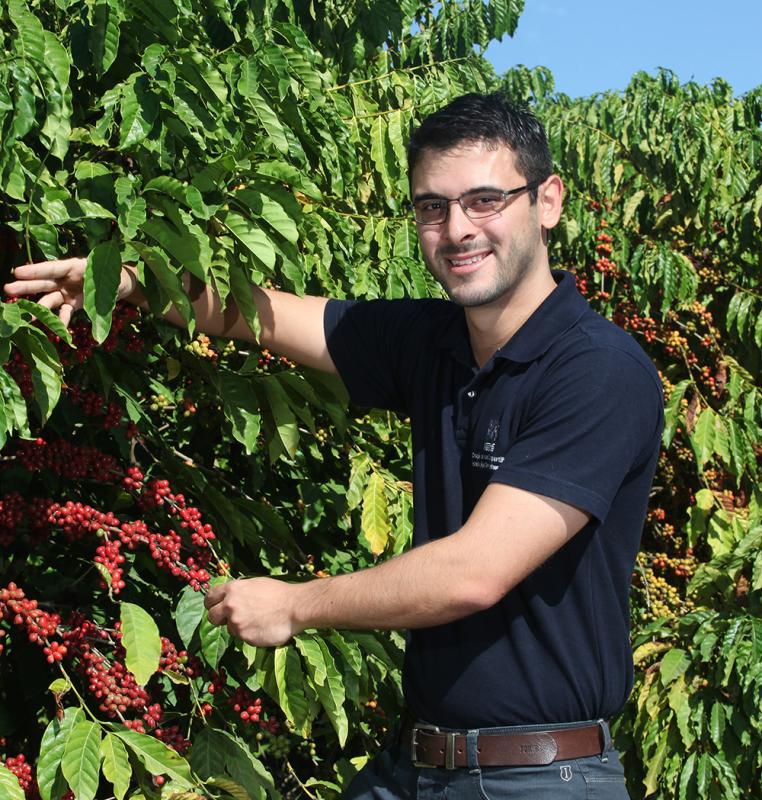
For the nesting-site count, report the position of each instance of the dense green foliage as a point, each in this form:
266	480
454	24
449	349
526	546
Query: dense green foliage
264	142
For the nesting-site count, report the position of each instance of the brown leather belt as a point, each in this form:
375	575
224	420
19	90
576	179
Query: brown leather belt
431	747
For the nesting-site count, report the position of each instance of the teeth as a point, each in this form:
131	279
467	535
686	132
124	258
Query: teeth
465	262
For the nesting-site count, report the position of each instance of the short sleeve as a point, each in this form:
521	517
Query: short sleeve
373	345
592	420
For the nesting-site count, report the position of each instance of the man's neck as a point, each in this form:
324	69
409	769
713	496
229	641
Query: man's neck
491	326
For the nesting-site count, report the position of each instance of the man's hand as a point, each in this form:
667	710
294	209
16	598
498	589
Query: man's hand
261	611
60	284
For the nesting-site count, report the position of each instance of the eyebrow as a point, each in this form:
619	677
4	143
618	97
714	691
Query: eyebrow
434	196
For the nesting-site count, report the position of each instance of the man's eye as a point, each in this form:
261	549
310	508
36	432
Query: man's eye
430	205
483	200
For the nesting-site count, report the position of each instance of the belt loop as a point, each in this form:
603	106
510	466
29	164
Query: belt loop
607	744
472	741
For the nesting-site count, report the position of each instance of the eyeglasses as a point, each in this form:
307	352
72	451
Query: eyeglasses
476	204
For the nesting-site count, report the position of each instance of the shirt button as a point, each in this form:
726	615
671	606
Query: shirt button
472	393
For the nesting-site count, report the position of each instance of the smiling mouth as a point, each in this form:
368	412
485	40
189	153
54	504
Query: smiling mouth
467	263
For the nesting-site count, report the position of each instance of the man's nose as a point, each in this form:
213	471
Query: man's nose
458	226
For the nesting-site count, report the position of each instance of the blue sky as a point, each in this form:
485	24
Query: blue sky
594	45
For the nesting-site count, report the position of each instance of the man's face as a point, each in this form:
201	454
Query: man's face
477	261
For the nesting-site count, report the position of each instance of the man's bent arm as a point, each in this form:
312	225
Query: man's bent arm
509	534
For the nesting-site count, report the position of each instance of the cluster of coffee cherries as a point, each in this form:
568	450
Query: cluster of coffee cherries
124	332
659	597
628	317
69	460
94	405
202	347
267	361
22	769
80	521
40	625
603	250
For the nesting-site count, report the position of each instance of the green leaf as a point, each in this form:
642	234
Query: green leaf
247	770
631	206
283	416
59	686
81	759
703	436
656	764
170	281
207	757
30	42
42	358
289	679
378	150
57	62
214	640
45	316
673	411
10	788
15	411
405	241
358	475
52	748
326	680
102	275
674	664
157	758
240	407
396	136
241	290
104	35
375	515
139	109
273	213
141	641
229	787
686	775
270	122
717	724
116	764
189	247
251	236
188	613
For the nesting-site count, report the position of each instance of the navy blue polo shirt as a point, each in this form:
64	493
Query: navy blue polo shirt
569	408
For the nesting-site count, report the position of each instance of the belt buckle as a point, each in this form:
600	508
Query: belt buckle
449	746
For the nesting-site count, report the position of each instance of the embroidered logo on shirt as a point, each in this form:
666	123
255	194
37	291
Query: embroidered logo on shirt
484	460
491	436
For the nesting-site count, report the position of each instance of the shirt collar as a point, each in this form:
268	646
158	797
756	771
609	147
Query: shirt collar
558	312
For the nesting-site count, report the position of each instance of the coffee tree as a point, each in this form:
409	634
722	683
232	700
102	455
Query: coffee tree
264	142
662	228
235	143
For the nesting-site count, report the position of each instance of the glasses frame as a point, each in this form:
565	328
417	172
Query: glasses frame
506	194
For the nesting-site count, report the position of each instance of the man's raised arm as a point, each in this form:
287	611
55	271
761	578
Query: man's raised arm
290	325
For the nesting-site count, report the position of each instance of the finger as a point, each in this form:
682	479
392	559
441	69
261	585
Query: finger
214	596
65	313
218	615
48	269
30	287
52	300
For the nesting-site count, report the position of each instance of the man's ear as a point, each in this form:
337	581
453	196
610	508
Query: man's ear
550	200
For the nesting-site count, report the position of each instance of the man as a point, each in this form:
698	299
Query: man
536	427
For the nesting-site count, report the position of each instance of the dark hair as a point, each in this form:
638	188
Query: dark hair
489	118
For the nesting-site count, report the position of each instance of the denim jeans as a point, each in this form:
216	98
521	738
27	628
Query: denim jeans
392	776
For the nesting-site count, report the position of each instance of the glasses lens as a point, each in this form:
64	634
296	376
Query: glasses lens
430	211
482	204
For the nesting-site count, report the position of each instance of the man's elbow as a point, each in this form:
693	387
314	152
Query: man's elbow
481	592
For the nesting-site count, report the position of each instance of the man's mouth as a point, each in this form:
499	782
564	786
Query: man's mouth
467	262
